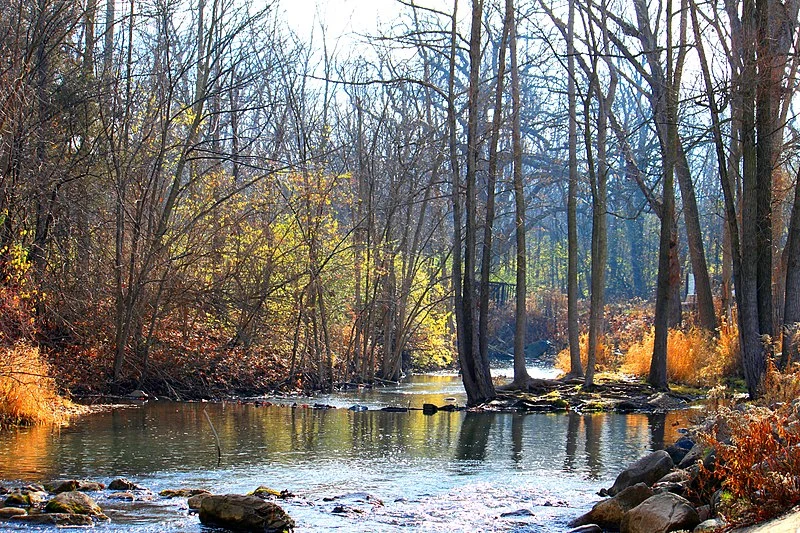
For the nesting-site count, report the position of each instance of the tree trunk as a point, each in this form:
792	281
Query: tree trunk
573	330
521	377
791	313
475	369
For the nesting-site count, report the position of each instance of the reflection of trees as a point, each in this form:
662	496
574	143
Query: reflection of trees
517	423
657	422
573	423
594	429
474	436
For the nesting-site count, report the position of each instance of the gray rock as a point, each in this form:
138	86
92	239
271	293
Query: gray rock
55	519
695	454
122	483
608	513
712	524
195	501
73	502
676	476
647	470
8	512
704	513
659	514
668	486
244	513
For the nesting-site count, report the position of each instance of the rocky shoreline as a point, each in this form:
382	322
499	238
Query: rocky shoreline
542	395
65	503
680	488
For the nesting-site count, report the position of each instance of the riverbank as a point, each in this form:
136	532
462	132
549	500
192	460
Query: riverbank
736	468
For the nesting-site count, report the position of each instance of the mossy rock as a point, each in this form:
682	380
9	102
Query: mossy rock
265	492
73	502
17	499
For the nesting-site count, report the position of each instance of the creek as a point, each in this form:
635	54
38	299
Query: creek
390	471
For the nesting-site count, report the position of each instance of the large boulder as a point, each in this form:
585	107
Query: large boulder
73	502
647	470
608	513
659	514
244	513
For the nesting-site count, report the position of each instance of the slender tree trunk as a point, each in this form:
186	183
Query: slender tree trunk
521	377
488	226
573	330
791	313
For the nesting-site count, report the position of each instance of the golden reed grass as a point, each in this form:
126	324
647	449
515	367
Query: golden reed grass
27	390
694	357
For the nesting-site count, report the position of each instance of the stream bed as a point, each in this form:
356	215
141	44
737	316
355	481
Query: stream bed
389	471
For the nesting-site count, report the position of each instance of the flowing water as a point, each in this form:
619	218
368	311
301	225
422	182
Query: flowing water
389	471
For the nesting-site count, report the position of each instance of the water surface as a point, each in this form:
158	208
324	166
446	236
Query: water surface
399	471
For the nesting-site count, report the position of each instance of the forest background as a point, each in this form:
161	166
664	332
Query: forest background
194	200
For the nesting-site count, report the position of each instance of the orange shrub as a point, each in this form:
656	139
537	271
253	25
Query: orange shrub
27	392
758	452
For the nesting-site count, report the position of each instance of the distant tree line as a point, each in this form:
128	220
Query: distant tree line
193	178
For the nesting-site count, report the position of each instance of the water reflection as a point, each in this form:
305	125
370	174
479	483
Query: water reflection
317	452
474	436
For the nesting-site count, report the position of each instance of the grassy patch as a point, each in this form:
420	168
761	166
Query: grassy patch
27	390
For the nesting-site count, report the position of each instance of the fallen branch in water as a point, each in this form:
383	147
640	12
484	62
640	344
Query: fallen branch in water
216	437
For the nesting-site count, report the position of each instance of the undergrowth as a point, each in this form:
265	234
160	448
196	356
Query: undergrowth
758	452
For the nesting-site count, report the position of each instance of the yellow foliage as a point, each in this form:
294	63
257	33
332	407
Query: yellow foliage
27	392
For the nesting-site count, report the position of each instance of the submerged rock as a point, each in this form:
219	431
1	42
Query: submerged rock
244	513
519	513
182	493
70	485
647	470
588	528
609	513
659	514
55	519
122	495
8	512
73	502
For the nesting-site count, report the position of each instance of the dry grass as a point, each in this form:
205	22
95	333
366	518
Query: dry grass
694	357
607	359
27	390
